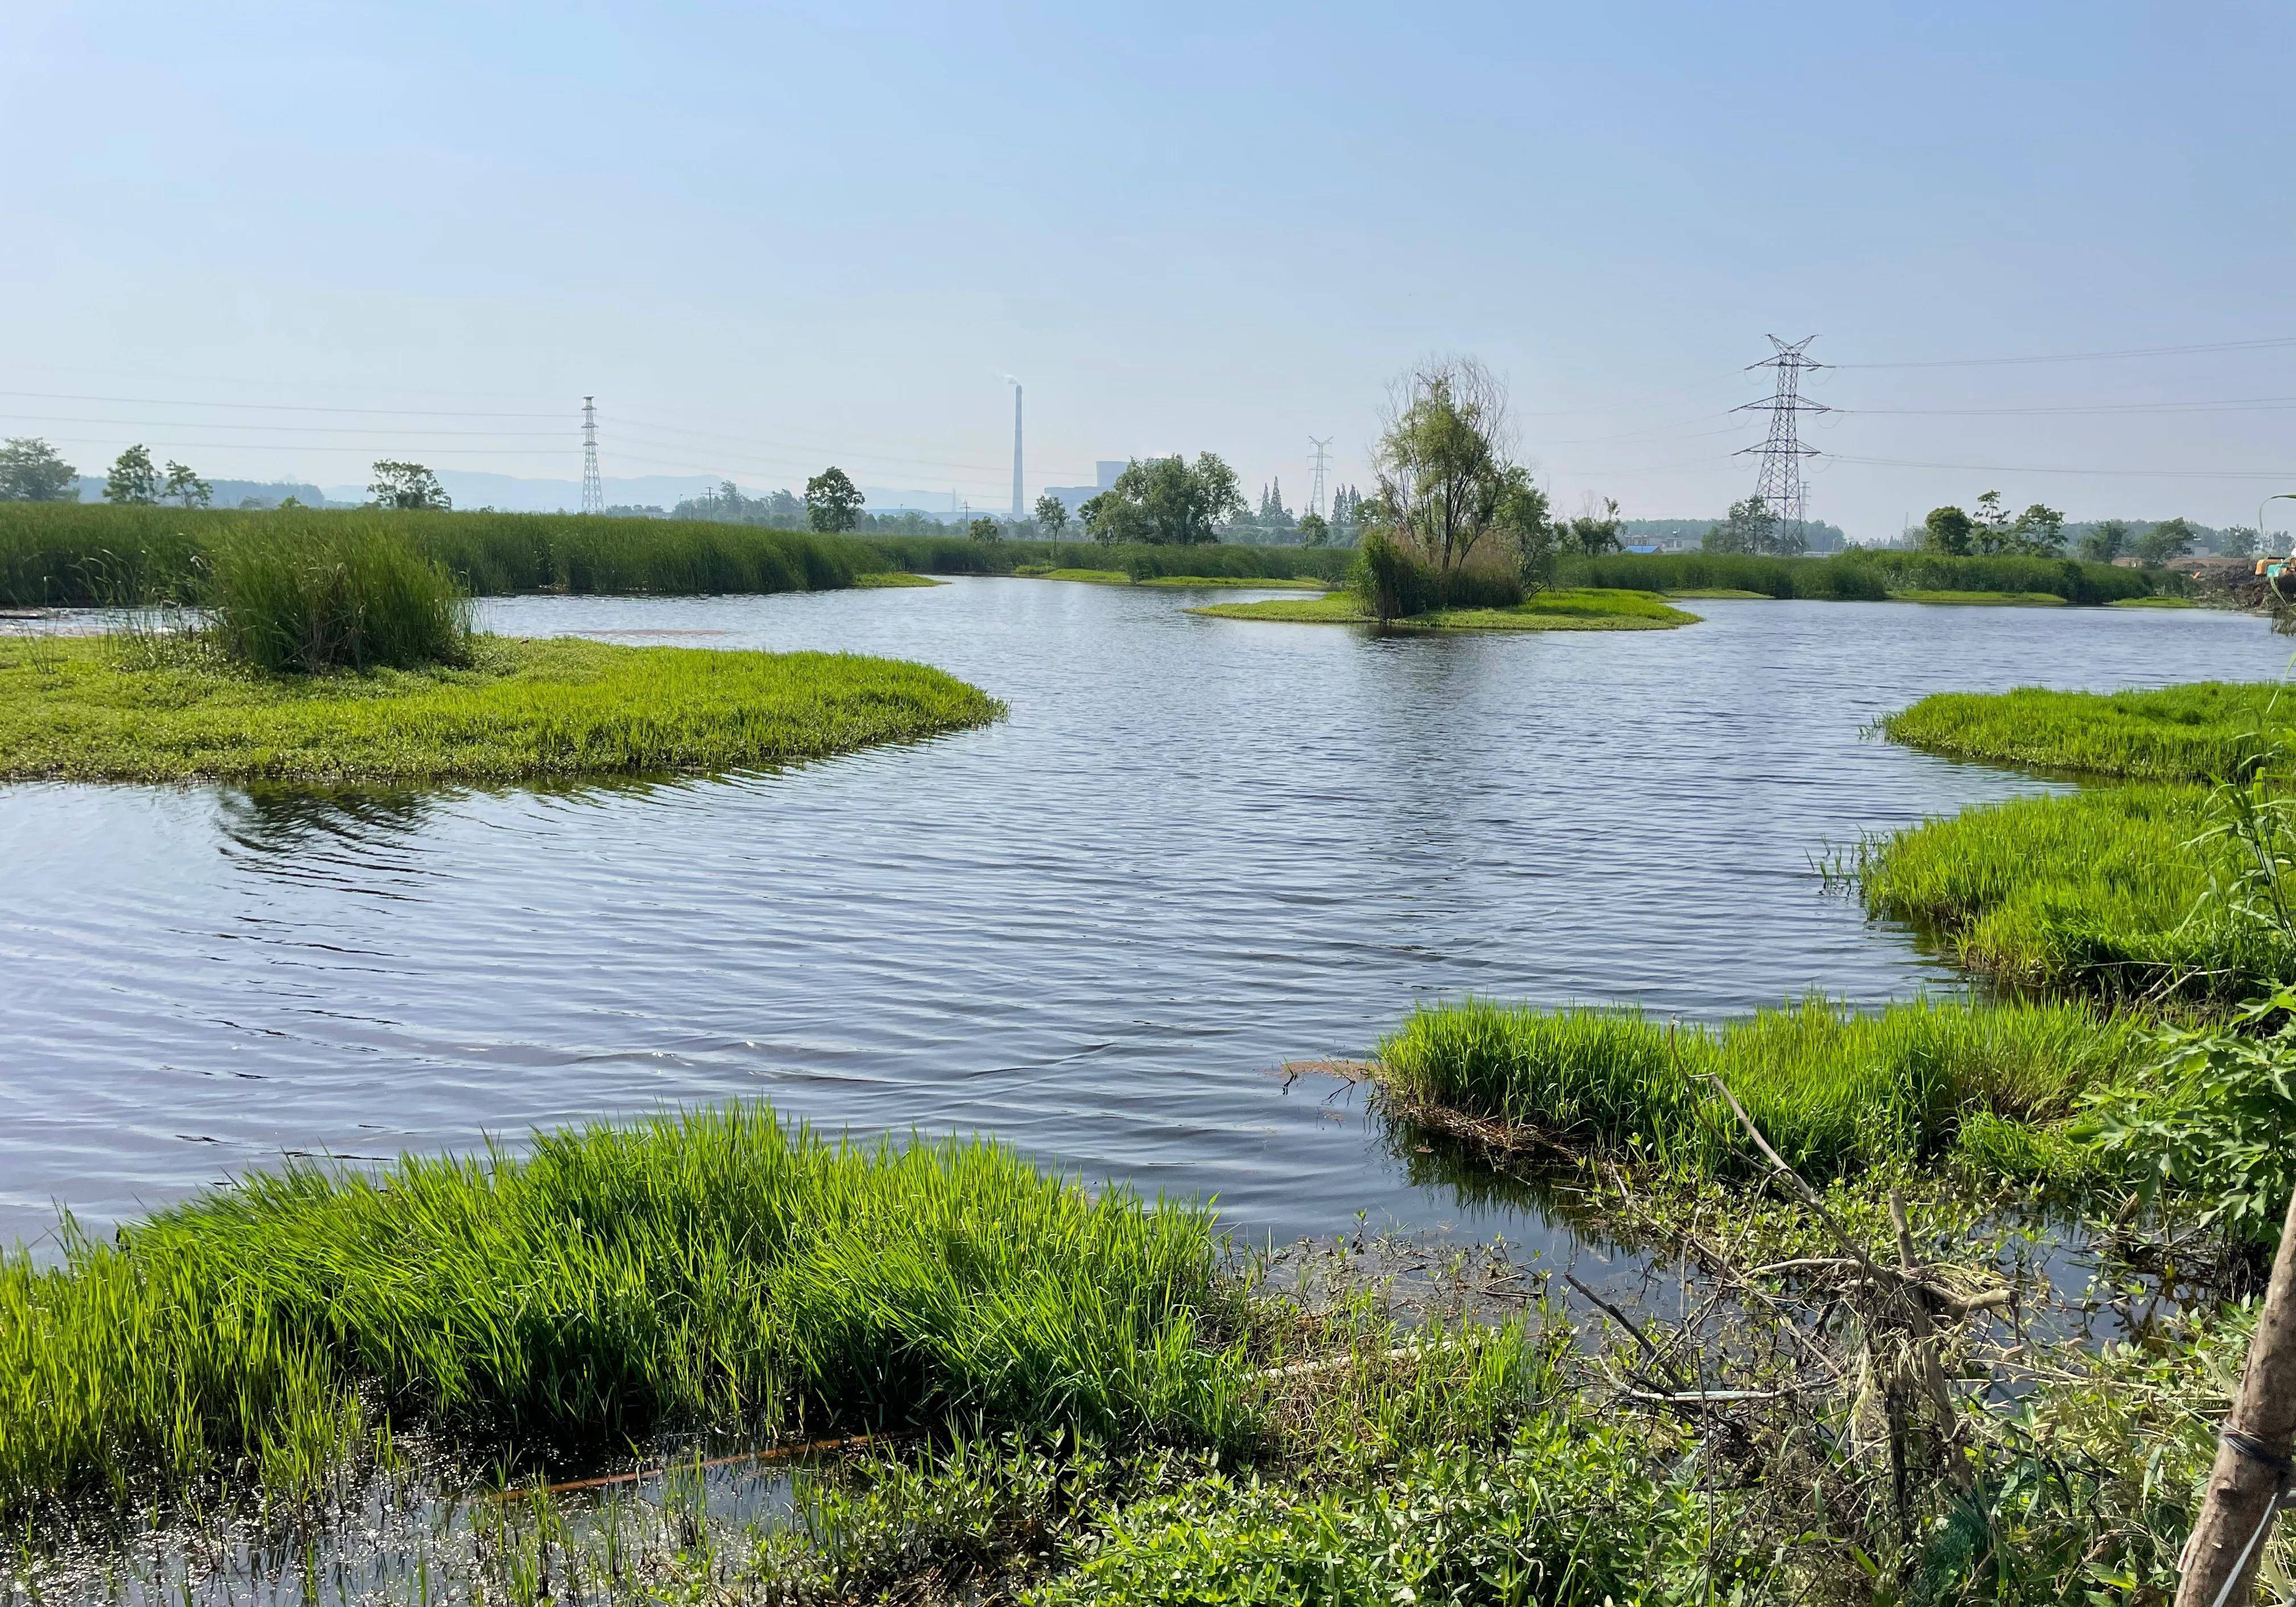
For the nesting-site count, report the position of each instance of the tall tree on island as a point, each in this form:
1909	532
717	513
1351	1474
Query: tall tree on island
1052	516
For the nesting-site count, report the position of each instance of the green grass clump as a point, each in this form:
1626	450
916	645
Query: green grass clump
2204	731
169	710
715	1267
1137	562
2102	892
1984	599
1236	582
892	581
2153	603
1833	1090
1567	609
344	598
1864	575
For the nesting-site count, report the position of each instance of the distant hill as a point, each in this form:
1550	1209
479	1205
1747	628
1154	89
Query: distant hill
232	493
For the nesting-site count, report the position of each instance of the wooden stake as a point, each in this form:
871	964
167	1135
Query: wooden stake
2251	1469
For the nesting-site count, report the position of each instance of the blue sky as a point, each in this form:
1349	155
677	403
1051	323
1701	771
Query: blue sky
774	239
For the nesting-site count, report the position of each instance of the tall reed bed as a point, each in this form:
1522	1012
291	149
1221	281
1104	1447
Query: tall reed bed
1863	575
1833	1090
715	1267
73	553
960	555
2203	731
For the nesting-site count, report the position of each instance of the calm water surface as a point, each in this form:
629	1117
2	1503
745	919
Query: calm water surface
1196	850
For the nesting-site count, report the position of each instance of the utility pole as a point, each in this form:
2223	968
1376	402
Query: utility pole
1316	495
1780	485
593	489
2250	1479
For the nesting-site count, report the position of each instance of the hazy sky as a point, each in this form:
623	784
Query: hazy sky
824	233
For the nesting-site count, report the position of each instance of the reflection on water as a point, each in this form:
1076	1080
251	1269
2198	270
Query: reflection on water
1196	850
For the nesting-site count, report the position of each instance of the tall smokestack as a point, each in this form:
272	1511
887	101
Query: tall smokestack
1019	512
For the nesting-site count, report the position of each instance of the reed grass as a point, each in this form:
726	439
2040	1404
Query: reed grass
1564	610
346	598
2205	730
714	1266
1833	1090
168	708
60	555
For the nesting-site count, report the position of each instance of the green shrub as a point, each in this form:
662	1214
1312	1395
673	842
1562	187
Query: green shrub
350	597
2216	1119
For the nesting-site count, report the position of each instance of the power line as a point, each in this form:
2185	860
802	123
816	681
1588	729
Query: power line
2087	357
156	401
384	433
1901	463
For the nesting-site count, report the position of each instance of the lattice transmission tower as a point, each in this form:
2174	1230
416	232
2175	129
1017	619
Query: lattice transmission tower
1315	492
593	489
1780	487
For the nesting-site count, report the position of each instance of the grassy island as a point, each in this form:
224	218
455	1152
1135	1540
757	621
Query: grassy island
1570	610
1837	1093
2106	890
100	710
1982	599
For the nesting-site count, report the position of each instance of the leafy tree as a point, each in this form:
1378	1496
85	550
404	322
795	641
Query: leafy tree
133	480
2107	540
1443	459
1750	528
1989	524
832	502
31	472
2237	541
1591	534
1052	516
1313	532
1167	501
187	487
2039	531
1522	521
1950	531
1099	518
290	501
2170	539
986	528
402	485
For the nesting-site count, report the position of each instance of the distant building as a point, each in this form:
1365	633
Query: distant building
1073	497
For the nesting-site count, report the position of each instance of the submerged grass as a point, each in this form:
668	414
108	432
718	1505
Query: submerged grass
1833	1090
169	710
716	1267
2202	731
1566	609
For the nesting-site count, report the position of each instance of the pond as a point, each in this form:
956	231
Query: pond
1197	849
